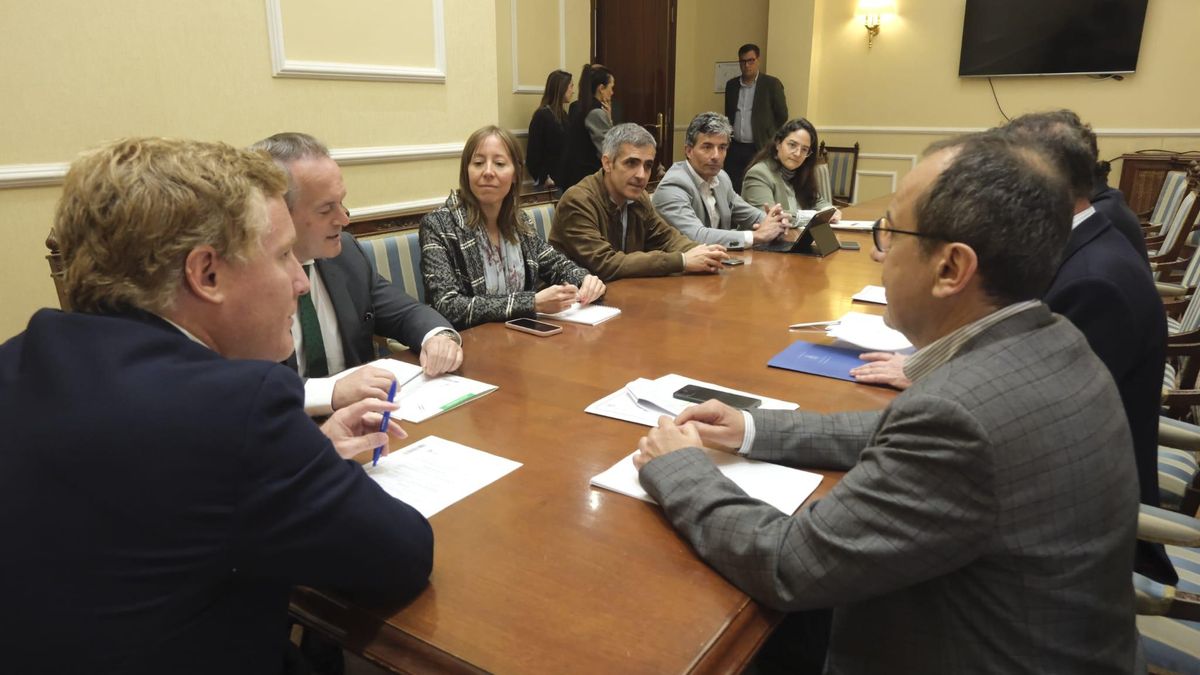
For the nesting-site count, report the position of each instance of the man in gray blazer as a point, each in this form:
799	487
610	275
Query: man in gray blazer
697	198
349	303
986	521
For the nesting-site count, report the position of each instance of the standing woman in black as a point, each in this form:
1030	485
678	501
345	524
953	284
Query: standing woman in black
547	130
586	126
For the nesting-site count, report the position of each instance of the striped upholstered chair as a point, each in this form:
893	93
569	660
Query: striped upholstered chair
1173	188
542	216
396	256
1169	616
843	171
1178	468
1169	246
821	173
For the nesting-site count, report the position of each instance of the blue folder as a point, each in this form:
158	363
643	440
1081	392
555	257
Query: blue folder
814	359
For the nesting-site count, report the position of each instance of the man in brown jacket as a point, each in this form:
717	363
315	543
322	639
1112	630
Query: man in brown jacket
607	224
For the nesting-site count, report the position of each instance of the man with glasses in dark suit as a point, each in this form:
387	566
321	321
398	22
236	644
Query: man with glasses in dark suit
756	106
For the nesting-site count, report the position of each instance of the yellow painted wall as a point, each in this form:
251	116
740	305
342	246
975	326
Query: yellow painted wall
707	31
539	25
910	79
76	74
127	67
790	33
359	31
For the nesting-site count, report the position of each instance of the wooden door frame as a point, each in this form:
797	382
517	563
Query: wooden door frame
669	114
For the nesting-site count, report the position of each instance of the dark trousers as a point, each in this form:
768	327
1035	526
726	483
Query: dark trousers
797	647
737	161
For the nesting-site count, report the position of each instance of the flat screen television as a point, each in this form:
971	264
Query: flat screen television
1051	37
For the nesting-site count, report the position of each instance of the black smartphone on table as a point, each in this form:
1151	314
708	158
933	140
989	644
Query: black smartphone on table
539	328
695	393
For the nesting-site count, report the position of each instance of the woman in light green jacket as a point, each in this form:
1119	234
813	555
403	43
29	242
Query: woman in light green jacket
784	172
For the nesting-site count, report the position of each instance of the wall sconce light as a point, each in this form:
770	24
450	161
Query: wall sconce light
874	13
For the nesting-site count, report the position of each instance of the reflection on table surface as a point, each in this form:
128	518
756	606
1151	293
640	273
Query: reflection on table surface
539	572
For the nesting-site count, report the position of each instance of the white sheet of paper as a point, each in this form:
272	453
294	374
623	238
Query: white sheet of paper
856	225
426	396
868	332
783	487
590	315
434	473
643	401
875	294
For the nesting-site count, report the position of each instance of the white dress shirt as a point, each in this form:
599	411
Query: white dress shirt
742	131
318	391
708	189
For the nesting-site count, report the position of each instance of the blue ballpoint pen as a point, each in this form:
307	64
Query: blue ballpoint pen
387	416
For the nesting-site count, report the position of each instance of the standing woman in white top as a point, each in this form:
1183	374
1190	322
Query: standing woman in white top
784	172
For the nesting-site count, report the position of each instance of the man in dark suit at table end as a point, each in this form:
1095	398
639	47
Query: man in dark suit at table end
986	522
1105	288
163	488
756	106
349	303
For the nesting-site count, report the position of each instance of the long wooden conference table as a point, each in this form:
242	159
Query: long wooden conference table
541	573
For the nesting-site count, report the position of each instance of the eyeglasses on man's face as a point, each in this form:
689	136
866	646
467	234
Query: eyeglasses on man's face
882	231
748	61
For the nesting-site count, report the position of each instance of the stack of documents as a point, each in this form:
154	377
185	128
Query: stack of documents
858	225
433	473
643	401
589	315
426	396
868	332
875	294
783	487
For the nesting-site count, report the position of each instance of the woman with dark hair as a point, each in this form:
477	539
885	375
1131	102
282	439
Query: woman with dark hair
547	129
481	259
587	124
784	172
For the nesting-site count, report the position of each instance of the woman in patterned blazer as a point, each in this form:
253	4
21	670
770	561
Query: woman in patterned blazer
481	259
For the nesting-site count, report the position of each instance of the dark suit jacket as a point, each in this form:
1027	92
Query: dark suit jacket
985	525
580	158
160	501
1106	290
770	107
544	151
1110	202
366	304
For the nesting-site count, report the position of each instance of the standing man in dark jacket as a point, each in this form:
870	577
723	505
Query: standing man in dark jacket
756	106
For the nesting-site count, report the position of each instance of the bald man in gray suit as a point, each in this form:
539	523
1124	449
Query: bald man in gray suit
986	522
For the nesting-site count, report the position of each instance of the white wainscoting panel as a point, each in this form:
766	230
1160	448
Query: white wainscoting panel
332	70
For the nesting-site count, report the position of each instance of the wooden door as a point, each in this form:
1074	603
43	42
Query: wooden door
635	39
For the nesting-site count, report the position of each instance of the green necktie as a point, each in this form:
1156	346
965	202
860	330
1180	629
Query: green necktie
315	364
